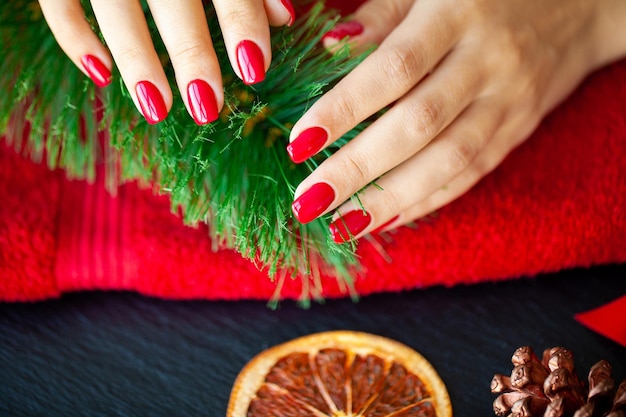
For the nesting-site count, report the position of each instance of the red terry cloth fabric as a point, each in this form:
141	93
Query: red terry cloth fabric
557	202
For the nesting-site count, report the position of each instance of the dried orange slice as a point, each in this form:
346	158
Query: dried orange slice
339	374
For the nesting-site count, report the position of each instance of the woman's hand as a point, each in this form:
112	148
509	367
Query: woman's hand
184	30
466	82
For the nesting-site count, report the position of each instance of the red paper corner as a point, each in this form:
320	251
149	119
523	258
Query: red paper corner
609	320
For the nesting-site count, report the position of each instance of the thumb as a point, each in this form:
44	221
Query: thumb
369	25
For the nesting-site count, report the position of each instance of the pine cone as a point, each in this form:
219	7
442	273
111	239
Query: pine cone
550	388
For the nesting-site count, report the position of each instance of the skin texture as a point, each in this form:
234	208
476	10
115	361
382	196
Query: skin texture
183	27
467	82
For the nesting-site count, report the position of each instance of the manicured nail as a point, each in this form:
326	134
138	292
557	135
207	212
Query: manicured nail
342	30
98	72
202	102
251	62
151	102
386	224
349	225
307	144
292	13
313	202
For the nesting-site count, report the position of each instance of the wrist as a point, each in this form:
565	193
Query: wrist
608	41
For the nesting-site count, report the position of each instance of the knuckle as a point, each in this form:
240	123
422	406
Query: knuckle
514	55
392	202
402	66
237	18
188	51
459	156
130	55
344	107
356	169
427	116
476	9
513	46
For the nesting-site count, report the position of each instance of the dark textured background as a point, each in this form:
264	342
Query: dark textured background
121	354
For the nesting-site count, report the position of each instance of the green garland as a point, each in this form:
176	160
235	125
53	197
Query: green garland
233	174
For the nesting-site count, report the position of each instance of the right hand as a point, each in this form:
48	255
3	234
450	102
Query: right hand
465	82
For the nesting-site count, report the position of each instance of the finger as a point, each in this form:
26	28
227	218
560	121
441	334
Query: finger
483	164
246	36
507	137
400	133
424	174
67	22
402	60
280	12
123	25
369	25
185	33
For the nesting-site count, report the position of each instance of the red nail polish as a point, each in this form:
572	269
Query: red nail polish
313	202
292	13
349	225
151	102
307	144
202	102
98	72
342	30
251	62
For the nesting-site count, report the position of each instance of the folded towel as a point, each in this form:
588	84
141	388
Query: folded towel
557	202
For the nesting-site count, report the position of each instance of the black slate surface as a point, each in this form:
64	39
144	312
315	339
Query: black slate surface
121	354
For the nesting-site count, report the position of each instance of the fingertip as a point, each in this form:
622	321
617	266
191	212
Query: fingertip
76	38
313	202
280	12
306	144
250	62
96	69
350	226
341	32
151	102
202	102
290	10
246	33
370	24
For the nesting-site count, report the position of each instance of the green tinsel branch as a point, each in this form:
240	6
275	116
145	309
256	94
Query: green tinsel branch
233	174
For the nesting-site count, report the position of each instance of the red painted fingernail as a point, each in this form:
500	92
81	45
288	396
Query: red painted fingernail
251	62
307	144
292	13
386	224
151	102
98	72
202	102
313	202
342	30
349	225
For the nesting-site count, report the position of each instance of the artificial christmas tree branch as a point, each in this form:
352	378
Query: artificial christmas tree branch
233	174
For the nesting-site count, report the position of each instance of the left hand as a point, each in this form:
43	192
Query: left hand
184	30
469	81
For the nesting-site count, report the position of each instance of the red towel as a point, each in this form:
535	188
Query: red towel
557	202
